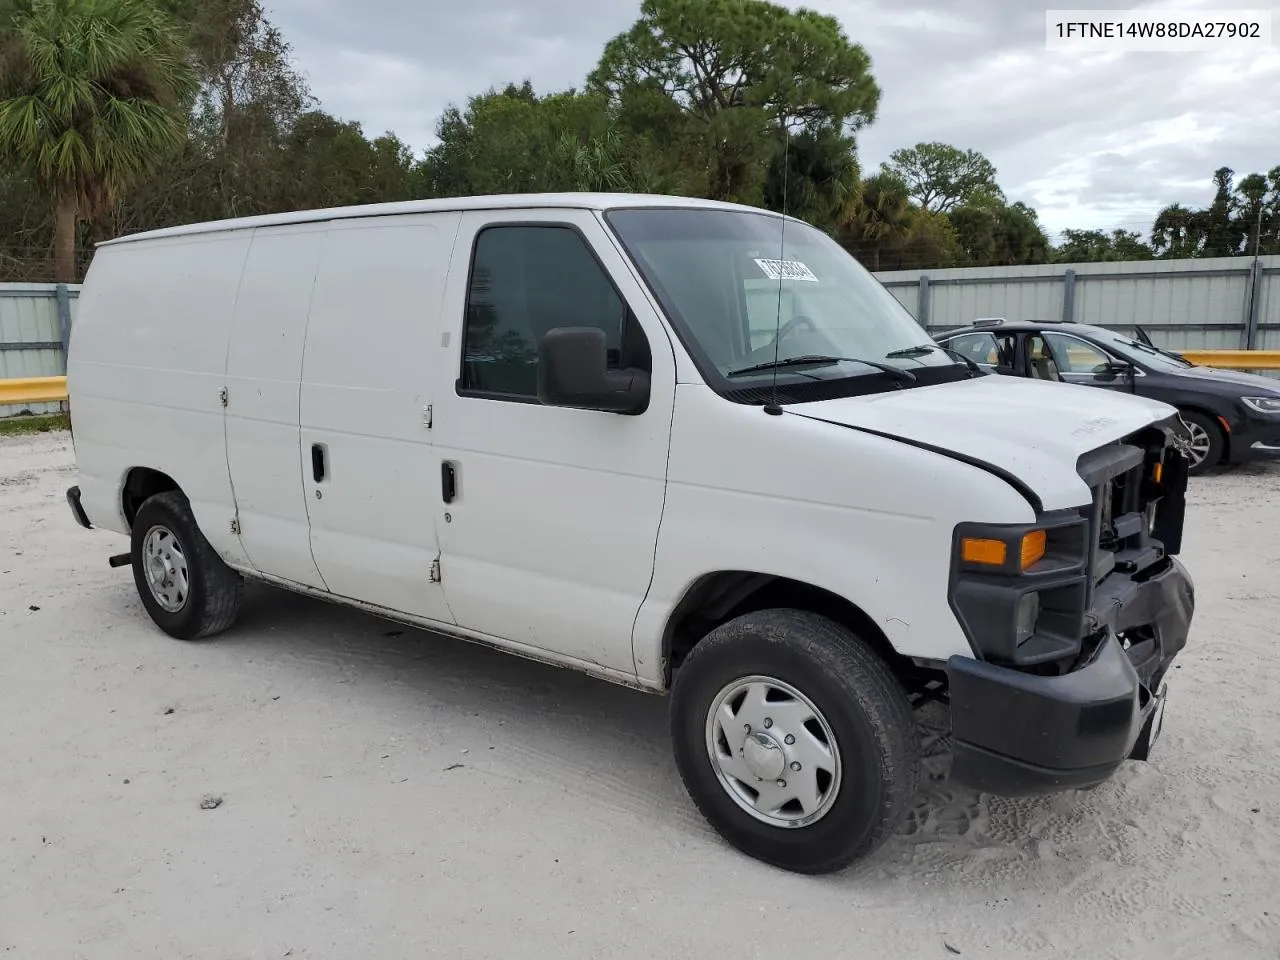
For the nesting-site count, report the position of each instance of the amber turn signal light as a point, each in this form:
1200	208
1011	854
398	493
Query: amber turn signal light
993	553
1033	548
989	553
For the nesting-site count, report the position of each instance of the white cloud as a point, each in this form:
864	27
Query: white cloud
1090	140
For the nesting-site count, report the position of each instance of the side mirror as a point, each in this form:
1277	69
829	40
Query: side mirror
573	371
1109	371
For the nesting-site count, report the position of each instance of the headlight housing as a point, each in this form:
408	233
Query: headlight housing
1262	404
1019	590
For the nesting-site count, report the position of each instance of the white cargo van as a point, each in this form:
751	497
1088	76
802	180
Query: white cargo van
684	446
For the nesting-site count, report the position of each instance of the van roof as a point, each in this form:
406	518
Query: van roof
576	201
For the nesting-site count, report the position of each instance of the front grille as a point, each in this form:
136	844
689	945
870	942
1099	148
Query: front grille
1134	521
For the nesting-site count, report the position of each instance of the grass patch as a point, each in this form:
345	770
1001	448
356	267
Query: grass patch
24	425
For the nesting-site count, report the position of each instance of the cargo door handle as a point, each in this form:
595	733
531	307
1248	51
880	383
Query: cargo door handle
317	462
448	481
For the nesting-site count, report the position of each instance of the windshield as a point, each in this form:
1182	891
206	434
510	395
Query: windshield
1139	352
742	296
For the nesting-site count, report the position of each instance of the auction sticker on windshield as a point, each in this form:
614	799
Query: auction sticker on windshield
786	270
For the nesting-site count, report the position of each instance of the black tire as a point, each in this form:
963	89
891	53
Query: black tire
1217	441
861	701
212	599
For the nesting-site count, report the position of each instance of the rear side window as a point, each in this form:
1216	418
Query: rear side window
526	280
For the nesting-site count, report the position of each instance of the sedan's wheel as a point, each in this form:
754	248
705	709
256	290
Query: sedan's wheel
183	583
794	739
1207	442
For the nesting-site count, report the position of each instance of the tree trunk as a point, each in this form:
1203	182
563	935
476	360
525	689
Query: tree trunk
64	239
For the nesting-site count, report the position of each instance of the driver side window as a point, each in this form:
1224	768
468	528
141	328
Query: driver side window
525	280
1074	355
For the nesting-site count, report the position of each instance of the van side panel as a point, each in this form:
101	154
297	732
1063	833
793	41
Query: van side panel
148	355
264	377
864	517
367	380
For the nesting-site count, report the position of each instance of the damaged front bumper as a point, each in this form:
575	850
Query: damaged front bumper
1018	733
1064	703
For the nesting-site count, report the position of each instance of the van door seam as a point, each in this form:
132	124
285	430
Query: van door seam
433	374
302	380
225	404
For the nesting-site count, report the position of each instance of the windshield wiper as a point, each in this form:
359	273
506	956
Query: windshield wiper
897	372
921	349
1152	349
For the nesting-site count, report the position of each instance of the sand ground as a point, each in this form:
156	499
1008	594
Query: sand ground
391	794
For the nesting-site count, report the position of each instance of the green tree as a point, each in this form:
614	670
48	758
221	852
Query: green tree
331	164
815	178
1177	232
513	141
930	241
251	97
881	222
240	157
735	75
1242	217
1258	211
941	177
1096	246
91	97
998	234
1223	233
25	223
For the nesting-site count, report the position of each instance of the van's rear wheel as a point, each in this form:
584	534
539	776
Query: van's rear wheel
187	589
794	740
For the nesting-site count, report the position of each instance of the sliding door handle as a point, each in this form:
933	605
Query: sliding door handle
318	454
448	481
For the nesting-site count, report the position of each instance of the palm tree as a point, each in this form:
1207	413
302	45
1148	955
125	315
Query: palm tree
92	98
883	217
1177	232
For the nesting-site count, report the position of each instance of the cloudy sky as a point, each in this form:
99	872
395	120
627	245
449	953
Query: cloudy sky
1089	139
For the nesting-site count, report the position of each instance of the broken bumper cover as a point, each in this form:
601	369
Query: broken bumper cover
1017	733
77	511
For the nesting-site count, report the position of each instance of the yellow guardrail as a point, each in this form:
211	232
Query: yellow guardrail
33	390
1235	359
54	389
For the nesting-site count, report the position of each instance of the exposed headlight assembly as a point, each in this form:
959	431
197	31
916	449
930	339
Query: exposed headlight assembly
1262	404
1019	590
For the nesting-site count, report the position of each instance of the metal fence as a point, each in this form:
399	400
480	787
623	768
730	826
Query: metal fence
1228	303
1232	303
35	323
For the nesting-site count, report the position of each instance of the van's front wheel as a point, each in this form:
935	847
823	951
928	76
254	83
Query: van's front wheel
187	589
794	740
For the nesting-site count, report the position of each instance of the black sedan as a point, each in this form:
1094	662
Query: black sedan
1232	416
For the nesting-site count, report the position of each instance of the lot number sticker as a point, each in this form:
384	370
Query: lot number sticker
786	270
